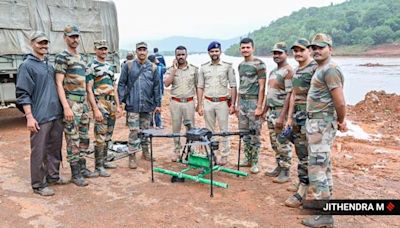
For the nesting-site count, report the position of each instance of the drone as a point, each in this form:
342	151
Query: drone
204	162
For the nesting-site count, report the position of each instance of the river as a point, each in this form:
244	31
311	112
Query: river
358	79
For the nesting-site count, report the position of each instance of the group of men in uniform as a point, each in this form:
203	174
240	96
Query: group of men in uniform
55	100
304	106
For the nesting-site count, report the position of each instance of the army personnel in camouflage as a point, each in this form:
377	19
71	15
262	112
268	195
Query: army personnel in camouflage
277	104
252	75
297	116
139	89
103	97
70	76
326	110
214	78
183	78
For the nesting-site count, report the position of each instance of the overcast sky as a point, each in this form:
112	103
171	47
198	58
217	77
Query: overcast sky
216	19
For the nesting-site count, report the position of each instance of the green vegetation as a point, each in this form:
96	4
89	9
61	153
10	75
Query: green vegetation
354	23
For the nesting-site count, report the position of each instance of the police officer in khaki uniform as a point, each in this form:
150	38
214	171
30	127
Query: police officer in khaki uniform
183	78
219	102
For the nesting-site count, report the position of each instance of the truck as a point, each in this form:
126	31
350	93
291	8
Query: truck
96	19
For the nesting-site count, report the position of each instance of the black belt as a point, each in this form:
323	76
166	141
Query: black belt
248	96
105	97
77	98
321	115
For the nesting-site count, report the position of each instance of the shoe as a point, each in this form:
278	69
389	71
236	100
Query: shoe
283	176
294	201
86	173
132	161
109	165
254	169
102	172
175	157
146	156
46	191
319	221
60	181
293	187
77	177
223	160
245	163
274	172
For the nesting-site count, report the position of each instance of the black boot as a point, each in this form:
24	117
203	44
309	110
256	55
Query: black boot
99	163
107	164
86	173
76	175
275	172
283	176
319	221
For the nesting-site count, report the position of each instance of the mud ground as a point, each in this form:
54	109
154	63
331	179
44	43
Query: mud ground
362	169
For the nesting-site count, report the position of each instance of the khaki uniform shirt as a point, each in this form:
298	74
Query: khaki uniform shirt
214	79
185	81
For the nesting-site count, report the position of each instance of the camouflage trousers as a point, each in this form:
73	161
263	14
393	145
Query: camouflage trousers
320	136
103	130
136	123
77	131
300	145
248	121
283	150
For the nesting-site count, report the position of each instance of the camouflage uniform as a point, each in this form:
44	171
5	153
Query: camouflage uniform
102	76
321	127
76	131
214	79
249	73
182	105
301	84
275	99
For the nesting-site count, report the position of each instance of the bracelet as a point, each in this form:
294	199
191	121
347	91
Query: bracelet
27	114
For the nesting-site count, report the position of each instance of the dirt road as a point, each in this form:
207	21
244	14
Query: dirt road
362	169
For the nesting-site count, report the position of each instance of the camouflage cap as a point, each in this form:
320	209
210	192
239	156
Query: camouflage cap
141	45
38	36
280	46
100	44
321	40
71	30
301	43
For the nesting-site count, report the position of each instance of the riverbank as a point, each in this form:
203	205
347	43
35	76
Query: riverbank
363	168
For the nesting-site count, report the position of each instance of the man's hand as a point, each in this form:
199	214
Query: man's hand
232	110
157	109
97	115
289	122
279	123
342	127
258	112
119	111
200	109
68	114
31	124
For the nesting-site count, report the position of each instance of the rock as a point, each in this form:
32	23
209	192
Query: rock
374	98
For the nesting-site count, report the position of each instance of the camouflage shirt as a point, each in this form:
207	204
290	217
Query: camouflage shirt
102	75
279	85
301	81
325	79
249	73
74	69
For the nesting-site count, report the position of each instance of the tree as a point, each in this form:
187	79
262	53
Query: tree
381	34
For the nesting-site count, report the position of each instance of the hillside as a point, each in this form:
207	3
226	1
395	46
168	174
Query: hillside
356	24
195	45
